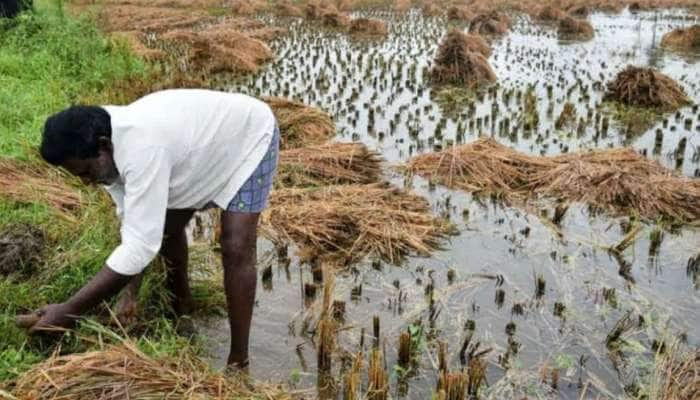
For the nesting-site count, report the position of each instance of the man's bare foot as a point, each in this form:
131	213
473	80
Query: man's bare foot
183	306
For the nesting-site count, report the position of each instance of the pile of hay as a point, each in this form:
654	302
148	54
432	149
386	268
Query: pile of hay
316	10
646	87
367	27
288	10
429	9
20	248
572	28
25	182
683	39
550	14
219	48
619	180
402	6
579	11
459	13
125	17
461	60
299	124
341	224
328	164
491	23
335	19
124	372
248	7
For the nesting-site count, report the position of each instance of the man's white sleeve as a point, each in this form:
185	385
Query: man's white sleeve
147	179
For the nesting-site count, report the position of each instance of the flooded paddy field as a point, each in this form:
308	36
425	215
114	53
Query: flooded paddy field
543	299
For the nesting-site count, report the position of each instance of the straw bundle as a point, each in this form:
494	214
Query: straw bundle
572	28
219	48
300	124
429	9
461	60
32	183
346	223
368	27
481	166
646	87
491	23
683	39
335	19
124	372
618	180
288	10
550	14
459	13
328	164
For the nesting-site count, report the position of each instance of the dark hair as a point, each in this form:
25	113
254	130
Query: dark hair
74	133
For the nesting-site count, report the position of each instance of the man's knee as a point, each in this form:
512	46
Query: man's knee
237	250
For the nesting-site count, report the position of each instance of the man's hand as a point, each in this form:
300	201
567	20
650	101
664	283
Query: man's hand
53	316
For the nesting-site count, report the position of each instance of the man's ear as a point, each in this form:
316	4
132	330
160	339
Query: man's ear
105	144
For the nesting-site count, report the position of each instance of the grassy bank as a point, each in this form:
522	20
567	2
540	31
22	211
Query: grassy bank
48	61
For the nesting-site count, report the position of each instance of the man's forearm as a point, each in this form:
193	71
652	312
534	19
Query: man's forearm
101	287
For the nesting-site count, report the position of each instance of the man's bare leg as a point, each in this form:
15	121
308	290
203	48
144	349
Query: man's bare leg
238	246
175	255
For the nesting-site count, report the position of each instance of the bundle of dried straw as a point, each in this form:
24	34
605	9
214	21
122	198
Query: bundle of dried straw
345	223
618	180
300	124
328	164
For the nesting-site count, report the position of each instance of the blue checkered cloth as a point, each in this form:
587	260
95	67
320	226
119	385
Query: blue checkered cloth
252	196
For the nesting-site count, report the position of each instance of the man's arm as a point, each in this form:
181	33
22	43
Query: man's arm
101	287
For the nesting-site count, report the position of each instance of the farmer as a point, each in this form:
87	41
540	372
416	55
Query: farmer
161	158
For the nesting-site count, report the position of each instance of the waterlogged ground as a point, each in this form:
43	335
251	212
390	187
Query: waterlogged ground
378	94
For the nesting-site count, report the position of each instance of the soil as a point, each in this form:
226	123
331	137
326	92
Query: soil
21	248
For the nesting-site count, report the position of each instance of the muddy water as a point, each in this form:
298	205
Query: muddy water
378	94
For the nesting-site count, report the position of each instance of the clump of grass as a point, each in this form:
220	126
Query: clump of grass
573	28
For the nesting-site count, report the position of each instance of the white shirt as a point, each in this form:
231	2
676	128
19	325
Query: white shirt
178	149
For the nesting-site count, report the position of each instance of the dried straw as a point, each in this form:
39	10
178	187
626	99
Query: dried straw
491	23
683	38
618	180
26	182
367	27
572	28
550	13
677	375
461	60
328	164
459	13
123	371
646	87
346	223
220	48
299	124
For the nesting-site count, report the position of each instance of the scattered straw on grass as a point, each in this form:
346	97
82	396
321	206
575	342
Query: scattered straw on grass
123	371
25	182
346	223
367	27
683	38
646	87
461	60
618	180
491	23
572	28
328	164
299	124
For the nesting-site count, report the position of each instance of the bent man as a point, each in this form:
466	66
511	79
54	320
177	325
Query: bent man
161	158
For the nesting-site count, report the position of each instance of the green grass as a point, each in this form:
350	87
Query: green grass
48	61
